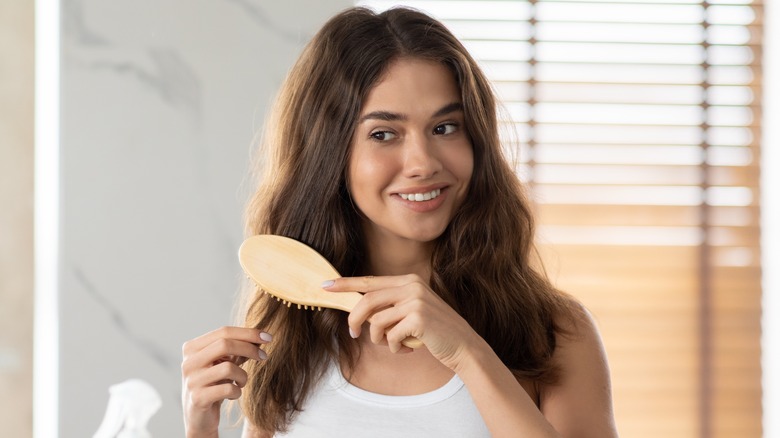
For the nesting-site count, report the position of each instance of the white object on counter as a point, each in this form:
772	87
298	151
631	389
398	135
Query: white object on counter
130	406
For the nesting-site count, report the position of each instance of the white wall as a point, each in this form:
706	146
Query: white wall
159	102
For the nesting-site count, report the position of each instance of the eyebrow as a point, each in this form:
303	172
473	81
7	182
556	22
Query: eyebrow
389	116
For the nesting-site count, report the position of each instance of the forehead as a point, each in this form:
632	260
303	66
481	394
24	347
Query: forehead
412	83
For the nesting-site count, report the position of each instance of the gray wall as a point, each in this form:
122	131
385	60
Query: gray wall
160	103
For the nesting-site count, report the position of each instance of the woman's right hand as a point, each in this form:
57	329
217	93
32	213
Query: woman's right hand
211	373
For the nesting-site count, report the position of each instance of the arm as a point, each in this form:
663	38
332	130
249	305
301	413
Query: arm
579	405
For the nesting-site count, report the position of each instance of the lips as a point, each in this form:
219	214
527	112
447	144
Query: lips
422	196
423	199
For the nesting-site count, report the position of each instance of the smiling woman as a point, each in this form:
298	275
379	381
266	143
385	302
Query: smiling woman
384	156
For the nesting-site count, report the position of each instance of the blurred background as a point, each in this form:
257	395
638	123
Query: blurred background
642	127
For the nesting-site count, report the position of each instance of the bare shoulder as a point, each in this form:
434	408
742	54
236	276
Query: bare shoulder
580	403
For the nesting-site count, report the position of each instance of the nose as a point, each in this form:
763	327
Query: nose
420	158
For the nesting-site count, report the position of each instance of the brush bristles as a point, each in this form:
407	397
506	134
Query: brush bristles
288	303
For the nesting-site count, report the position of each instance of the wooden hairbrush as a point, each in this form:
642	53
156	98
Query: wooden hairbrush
293	272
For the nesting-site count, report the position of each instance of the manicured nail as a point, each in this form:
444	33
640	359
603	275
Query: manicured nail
262	354
328	283
352	334
266	337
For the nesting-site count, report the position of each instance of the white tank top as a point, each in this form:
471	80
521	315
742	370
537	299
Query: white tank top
338	409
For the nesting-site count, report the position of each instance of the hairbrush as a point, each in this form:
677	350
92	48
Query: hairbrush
293	273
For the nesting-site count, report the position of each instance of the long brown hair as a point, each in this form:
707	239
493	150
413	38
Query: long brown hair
481	265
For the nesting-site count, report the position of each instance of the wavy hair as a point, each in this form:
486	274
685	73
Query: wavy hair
481	265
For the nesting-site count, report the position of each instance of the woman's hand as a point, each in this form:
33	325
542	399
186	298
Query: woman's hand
211	373
397	307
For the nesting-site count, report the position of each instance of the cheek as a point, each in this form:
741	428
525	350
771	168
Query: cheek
462	165
360	183
356	173
367	170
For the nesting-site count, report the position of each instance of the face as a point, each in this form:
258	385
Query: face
411	158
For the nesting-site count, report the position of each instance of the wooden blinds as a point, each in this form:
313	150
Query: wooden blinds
638	126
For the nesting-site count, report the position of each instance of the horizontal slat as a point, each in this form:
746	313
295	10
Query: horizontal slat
551	133
578	194
621	53
734	236
621	73
619	114
658	215
623	33
728	363
636	425
652	407
620	13
622	282
622	235
635	174
621	257
736	256
620	93
749	427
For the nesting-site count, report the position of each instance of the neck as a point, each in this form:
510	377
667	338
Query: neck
398	256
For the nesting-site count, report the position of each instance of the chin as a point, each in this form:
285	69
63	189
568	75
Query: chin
424	236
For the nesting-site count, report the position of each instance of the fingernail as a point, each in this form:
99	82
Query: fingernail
328	283
352	334
262	354
266	337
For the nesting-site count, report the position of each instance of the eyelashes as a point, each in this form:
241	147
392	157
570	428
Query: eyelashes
446	128
383	135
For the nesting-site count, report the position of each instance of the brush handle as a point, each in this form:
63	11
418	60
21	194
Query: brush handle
412	342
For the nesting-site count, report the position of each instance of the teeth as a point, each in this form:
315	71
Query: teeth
417	197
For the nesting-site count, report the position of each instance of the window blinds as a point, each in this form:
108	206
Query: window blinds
638	128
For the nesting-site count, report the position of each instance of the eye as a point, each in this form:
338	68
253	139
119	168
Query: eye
445	128
382	135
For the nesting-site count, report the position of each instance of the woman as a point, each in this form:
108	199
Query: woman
385	157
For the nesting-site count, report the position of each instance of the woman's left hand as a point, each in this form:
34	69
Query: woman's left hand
397	307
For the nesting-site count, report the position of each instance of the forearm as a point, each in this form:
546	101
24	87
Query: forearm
191	434
505	406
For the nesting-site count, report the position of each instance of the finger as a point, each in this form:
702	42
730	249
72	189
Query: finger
239	333
382	321
404	331
368	283
222	349
398	328
368	306
225	372
206	397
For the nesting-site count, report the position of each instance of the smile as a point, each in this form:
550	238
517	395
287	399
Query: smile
418	197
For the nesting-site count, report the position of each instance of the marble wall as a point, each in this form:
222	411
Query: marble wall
160	101
17	38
